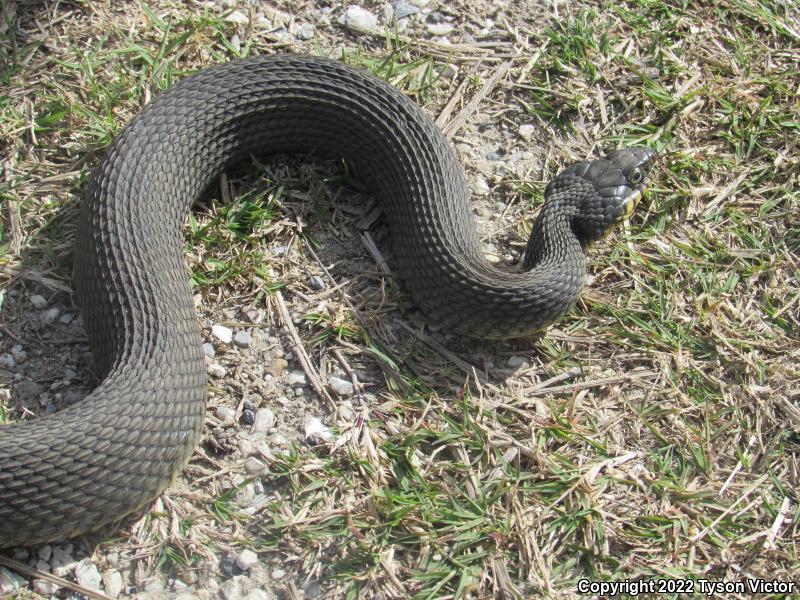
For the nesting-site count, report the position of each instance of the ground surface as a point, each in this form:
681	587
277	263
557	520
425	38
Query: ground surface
651	435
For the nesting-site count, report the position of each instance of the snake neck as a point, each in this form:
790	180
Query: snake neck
553	243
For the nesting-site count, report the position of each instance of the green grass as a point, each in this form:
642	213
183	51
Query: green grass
458	476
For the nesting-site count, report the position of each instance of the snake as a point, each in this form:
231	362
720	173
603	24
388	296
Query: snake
94	462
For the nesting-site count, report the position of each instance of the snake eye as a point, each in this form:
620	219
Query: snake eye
636	176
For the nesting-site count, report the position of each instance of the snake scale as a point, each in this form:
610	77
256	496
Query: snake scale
107	456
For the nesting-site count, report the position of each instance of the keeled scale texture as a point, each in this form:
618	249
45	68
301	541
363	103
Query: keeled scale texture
98	460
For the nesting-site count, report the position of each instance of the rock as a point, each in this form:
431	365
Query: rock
46	588
45	552
254	466
316	432
296	377
255	315
62	561
246	559
316	282
87	575
243	339
248	416
7	361
112	582
306	31
217	371
264	421
341	387
237	17
481	187
10	582
344	412
222	333
515	362
66	319
278	574
526	132
208	350
277	366
226	414
440	28
360	20
51	314
19	354
403	9
38	301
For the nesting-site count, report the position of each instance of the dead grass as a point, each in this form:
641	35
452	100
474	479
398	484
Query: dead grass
652	434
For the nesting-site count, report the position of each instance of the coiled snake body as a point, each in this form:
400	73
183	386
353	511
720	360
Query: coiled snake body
103	458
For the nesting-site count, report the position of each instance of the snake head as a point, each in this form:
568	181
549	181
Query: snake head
607	189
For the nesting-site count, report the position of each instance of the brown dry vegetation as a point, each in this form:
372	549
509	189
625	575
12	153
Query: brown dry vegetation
653	433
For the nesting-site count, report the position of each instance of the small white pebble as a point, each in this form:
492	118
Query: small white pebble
87	574
515	362
208	350
222	333
360	20
237	17
440	28
7	361
296	377
216	370
306	31
38	301
46	588
278	574
265	420
51	314
246	559
112	582
254	466
341	387
315	431
66	319
243	339
526	132
226	414
481	186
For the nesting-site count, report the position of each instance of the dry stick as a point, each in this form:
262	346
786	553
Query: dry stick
773	531
13	214
300	351
60	581
725	513
571	387
451	128
737	467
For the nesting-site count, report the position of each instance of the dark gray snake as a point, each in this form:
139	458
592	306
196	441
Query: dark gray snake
107	456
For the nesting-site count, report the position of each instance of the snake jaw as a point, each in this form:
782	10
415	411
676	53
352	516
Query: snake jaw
608	190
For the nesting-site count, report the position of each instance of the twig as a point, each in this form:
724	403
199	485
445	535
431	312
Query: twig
60	581
451	128
300	351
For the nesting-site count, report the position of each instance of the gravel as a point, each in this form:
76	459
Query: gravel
112	582
246	559
264	421
341	387
254	466
38	301
87	575
296	377
243	339
360	20
222	333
